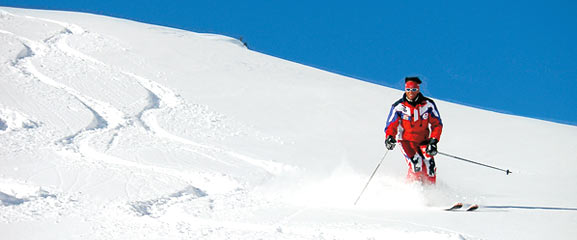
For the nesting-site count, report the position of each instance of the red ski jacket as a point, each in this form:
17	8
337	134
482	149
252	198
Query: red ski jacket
411	120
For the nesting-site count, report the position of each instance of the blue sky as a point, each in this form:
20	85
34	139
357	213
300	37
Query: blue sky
516	57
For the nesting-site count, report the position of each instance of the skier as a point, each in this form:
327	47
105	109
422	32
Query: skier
416	121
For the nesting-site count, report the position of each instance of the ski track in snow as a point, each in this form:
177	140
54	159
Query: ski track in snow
11	120
39	202
161	98
108	118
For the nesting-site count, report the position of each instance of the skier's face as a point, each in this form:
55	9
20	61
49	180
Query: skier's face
411	94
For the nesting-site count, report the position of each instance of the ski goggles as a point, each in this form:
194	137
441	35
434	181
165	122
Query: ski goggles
411	89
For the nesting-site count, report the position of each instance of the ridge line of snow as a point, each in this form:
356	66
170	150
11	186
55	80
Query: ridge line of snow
72	28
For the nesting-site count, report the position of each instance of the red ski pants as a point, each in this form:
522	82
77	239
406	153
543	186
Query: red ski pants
421	165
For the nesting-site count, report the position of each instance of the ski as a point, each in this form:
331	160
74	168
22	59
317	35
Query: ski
458	206
454	207
472	208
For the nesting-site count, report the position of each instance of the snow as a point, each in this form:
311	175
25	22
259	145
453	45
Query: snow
114	129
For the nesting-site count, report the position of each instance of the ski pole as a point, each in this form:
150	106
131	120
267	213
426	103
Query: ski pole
371	176
467	160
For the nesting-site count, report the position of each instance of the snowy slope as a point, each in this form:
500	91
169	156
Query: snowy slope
113	129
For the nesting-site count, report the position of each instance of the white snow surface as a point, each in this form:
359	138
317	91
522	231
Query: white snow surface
114	129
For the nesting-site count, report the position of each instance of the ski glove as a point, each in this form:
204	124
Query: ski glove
432	147
390	142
